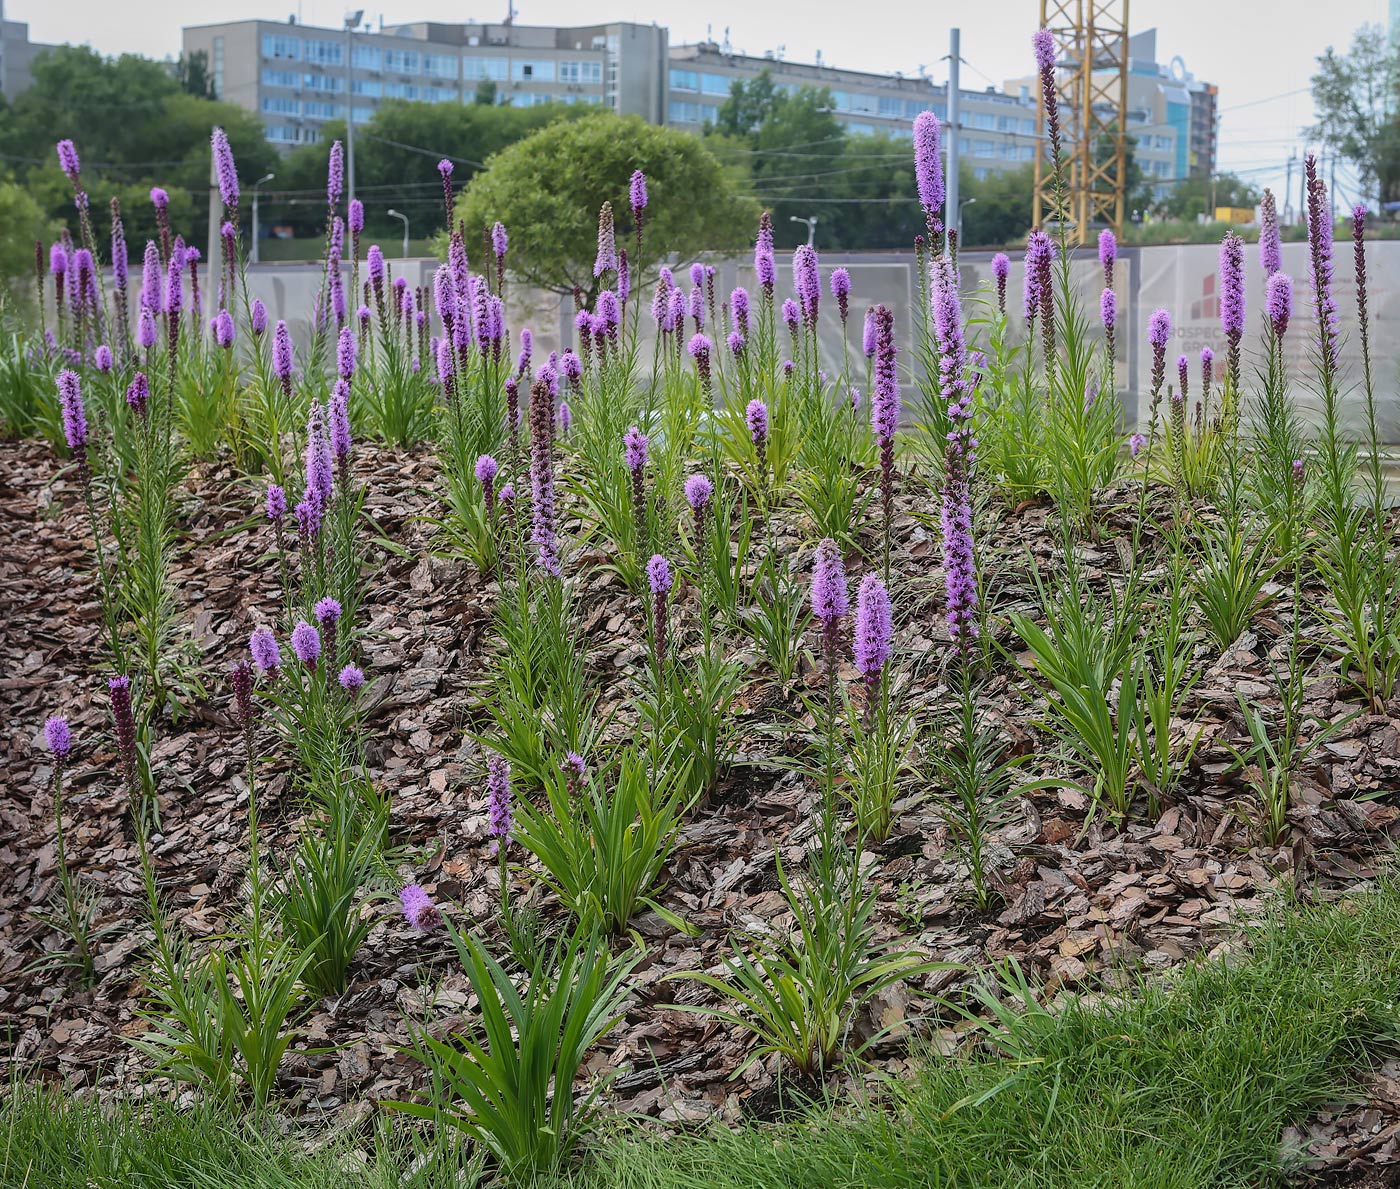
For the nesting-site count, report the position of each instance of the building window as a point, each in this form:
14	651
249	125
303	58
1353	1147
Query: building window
865	104
540	70
363	115
283	134
476	69
400	91
532	99
322	111
333	83
685	80
322	53
982	119
714	84
581	72
370	87
859	128
367	57
280	105
402	61
439	94
440	66
277	46
683	112
281	78
983	148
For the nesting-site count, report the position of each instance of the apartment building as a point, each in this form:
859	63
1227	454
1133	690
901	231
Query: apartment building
17	53
298	77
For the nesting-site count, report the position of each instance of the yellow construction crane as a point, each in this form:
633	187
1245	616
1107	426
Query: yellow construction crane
1091	80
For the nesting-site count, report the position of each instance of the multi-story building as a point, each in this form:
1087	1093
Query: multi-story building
297	77
17	54
997	130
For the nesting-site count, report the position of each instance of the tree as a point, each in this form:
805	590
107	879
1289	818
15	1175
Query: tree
485	93
23	222
1355	98
134	128
547	190
1201	195
192	73
1002	210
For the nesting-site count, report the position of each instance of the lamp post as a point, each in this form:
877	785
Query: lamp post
352	22
811	224
962	204
267	177
396	215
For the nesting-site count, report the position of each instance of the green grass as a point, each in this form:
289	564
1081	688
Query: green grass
1186	1083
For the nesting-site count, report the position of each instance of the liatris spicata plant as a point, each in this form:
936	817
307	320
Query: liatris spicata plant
345	354
1232	316
1270	242
699	491
263	648
1043	42
1001	269
830	601
328	612
1320	267
659	581
339	417
764	264
500	811
282	356
226	173
1108	314
240	676
500	243
1207	375
70	401
306	644
873	633
222	326
335	176
928	172
841	291
419	910
1159	333
1358	239
486	471
806	281
635	449
637	200
58	738
1278	303
606	260
884	415
1135	443
138	394
445	172
352	679
124	720
1040	295
700	348
258	317
869	333
756	415
542	478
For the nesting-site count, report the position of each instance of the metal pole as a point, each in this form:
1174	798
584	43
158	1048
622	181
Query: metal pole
952	216
253	252
216	210
349	110
395	214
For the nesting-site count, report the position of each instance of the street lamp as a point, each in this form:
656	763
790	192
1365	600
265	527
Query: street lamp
811	225
962	203
352	22
267	177
396	215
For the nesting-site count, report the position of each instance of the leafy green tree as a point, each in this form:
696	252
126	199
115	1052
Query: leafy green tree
134	128
192	71
998	208
1355	96
22	221
396	156
547	189
1201	195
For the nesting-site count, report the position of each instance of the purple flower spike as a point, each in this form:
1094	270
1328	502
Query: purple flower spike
830	601
345	353
1279	302
841	291
335	174
328	611
1135	443
1270	242
659	576
500	814
58	737
806	279
698	492
636	447
102	358
352	679
306	643
606	260
1232	288
224	168
70	399
763	261
262	646
356	216
637	193
282	354
419	910
1001	269
138	393
276	502
928	167
874	628
1108	255
68	161
222	326
259	317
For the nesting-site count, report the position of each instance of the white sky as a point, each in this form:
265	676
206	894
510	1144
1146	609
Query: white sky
1259	52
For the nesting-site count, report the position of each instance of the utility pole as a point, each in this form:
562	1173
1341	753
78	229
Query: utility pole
253	253
1288	188
216	214
952	217
351	23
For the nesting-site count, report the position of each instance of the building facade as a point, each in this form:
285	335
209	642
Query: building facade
298	77
17	54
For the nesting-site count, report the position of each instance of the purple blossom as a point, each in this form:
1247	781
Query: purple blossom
606	260
138	393
1135	443
636	447
1279	302
884	407
146	330
1270	242
1108	310
102	358
874	628
1159	330
1232	288
739	306
500	241
70	399
224	168
791	314
356	217
258	317
928	166
1207	369
830	602
698	491
659	576
756	415
637	195
737	343
763	262
500	815
1108	255
320	468
1001	269
351	679
566	417
327	611
68	161
58	738
806	280
124	719
345	353
262	646
276	502
841	291
340	422
1320	265
335	174
948	332
282	353
419	910
222	326
159	198
609	310
870	333
1043	42
306	643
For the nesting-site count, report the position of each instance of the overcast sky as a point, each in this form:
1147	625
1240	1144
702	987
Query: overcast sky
1262	63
